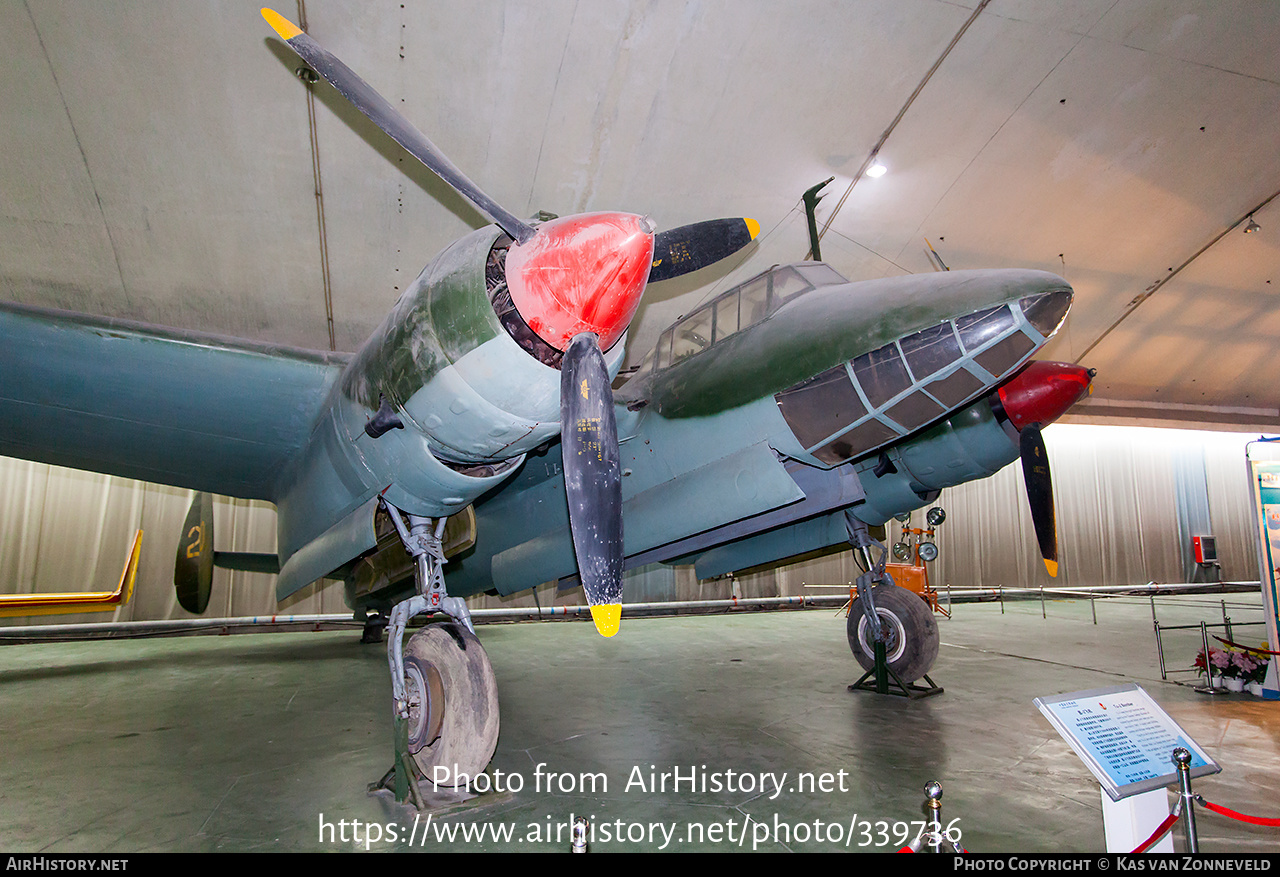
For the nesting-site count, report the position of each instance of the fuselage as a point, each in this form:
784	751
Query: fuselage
836	376
891	379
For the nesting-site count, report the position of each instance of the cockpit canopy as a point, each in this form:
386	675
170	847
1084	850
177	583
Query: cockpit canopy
739	308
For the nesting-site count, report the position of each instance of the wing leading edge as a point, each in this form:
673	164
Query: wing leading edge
163	405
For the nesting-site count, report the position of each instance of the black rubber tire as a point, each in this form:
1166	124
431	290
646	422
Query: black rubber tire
464	733
912	646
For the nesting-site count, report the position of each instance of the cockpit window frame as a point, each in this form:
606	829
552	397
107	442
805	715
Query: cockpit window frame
951	384
797	279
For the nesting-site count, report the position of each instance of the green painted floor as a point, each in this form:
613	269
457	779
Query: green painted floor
264	741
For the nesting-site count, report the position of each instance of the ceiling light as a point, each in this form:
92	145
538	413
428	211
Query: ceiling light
1248	229
876	171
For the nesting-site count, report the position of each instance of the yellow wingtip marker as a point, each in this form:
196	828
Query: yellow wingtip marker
753	228
281	25
1052	567
608	618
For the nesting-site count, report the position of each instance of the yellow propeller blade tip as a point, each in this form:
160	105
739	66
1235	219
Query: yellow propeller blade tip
1052	567
281	25
753	227
608	618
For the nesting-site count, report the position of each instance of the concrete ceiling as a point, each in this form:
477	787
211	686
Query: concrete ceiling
157	158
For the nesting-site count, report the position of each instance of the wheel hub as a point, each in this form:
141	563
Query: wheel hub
895	641
424	695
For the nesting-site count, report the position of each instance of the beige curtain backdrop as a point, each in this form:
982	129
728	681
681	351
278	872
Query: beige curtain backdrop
64	530
1116	503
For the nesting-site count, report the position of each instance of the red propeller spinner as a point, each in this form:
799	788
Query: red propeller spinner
1043	391
582	273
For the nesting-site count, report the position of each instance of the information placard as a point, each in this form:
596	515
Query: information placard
1124	738
1264	462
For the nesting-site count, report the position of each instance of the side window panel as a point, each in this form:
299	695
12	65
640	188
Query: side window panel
821	406
979	328
755	302
881	374
662	353
787	284
930	351
955	388
691	335
1005	355
726	316
914	411
856	442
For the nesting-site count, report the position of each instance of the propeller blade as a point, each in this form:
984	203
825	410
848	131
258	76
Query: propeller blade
376	108
1035	472
593	477
934	258
690	247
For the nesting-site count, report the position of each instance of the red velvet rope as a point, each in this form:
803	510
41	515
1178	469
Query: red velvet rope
1164	827
1160	832
1244	648
1256	820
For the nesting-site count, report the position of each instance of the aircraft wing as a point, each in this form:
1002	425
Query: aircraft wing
164	405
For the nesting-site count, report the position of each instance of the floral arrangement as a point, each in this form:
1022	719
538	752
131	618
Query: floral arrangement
1245	665
1219	661
1259	672
1233	664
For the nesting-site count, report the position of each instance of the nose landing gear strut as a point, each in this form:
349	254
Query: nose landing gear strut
445	699
892	632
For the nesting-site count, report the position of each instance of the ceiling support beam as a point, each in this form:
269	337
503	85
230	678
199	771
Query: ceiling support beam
871	157
1174	272
315	172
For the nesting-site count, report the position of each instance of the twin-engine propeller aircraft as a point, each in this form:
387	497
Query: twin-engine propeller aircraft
479	423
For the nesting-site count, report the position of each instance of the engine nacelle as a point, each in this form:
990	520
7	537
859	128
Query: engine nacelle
453	389
445	364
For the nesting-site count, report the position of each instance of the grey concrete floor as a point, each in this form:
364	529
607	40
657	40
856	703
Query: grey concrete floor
252	742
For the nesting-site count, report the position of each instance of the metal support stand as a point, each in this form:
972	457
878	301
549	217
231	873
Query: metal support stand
374	624
883	673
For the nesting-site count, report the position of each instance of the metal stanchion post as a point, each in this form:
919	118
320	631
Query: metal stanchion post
1209	687
933	794
580	835
1182	758
1160	650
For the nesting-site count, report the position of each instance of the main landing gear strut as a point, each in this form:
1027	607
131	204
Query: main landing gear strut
443	690
892	632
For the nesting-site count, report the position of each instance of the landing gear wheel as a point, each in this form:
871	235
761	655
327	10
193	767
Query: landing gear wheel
453	703
912	644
